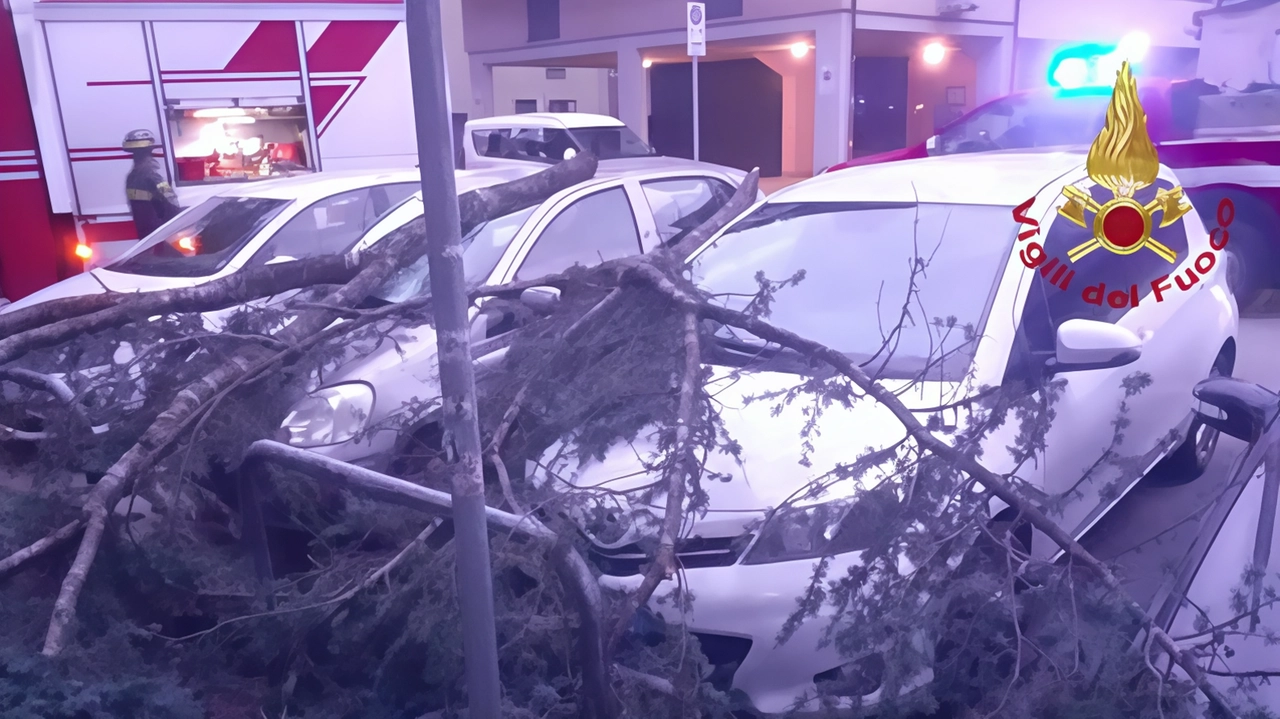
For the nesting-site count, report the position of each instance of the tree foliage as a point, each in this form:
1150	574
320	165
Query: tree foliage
361	617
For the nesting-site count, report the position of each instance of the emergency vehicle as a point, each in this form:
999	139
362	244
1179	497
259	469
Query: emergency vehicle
234	92
1220	132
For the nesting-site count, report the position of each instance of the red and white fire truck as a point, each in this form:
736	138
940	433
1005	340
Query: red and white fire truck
234	91
1220	132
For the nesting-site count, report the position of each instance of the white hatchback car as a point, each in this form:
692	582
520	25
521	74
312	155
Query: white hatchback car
856	235
366	405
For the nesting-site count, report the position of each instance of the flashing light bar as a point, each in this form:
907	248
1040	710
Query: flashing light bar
1092	65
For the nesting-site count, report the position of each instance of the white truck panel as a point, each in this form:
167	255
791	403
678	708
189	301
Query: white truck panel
363	111
206	47
102	95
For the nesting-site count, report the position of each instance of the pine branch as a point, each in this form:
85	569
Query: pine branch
158	440
681	470
927	441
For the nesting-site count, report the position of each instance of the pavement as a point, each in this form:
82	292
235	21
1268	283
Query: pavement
1152	528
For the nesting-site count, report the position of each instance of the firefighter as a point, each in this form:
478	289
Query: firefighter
151	200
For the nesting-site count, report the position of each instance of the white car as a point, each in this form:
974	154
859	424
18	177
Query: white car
856	235
257	224
550	137
359	415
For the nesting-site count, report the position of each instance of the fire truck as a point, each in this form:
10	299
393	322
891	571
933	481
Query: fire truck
1220	132
234	92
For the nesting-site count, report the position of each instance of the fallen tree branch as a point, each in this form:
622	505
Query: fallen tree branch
65	319
929	442
680	470
580	585
56	387
399	250
743	198
51	541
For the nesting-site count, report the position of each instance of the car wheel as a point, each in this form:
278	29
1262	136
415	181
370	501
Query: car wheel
1190	460
1251	263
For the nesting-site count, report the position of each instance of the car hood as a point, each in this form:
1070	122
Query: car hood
99	281
772	464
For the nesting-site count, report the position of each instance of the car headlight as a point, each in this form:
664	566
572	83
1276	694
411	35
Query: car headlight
825	529
330	416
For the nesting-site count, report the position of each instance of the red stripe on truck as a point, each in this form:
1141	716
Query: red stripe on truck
271	47
348	45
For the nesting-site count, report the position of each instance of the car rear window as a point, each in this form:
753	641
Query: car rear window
202	240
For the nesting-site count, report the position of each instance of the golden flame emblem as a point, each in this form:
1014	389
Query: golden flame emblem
1123	159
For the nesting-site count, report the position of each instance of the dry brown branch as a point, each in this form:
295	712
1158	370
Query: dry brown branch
927	441
680	470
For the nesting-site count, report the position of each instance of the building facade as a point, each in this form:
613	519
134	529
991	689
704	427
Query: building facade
796	86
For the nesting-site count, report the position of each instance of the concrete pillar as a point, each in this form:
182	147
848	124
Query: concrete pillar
633	91
481	89
993	58
832	67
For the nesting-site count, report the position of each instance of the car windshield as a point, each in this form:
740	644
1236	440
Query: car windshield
1026	121
482	249
841	274
610	143
201	240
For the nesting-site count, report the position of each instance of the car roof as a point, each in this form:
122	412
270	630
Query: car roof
605	173
318	185
566	120
990	178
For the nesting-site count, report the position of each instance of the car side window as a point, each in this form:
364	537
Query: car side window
1098	276
333	225
681	205
596	228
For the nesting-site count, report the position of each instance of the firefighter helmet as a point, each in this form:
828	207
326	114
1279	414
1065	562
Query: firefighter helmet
139	140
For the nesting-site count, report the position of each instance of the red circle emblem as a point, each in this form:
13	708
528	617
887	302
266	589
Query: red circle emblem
1124	226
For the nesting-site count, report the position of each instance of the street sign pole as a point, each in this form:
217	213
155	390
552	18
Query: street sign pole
696	125
696	15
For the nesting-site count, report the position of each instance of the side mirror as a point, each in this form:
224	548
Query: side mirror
541	299
570	153
1245	409
1090	344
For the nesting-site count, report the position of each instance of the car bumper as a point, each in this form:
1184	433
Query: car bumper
752	603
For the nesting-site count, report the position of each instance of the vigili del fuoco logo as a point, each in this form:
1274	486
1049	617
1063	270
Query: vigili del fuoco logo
1122	161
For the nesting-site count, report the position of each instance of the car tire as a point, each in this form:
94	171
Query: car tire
1192	457
1251	262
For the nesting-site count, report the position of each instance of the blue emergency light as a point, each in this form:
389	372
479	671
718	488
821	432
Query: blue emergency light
1088	68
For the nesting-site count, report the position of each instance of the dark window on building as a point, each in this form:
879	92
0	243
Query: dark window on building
523	106
720	9
562	106
556	73
544	20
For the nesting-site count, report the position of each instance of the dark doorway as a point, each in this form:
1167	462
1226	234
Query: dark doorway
459	132
879	104
740	113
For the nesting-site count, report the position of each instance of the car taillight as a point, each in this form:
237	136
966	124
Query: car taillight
84	251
